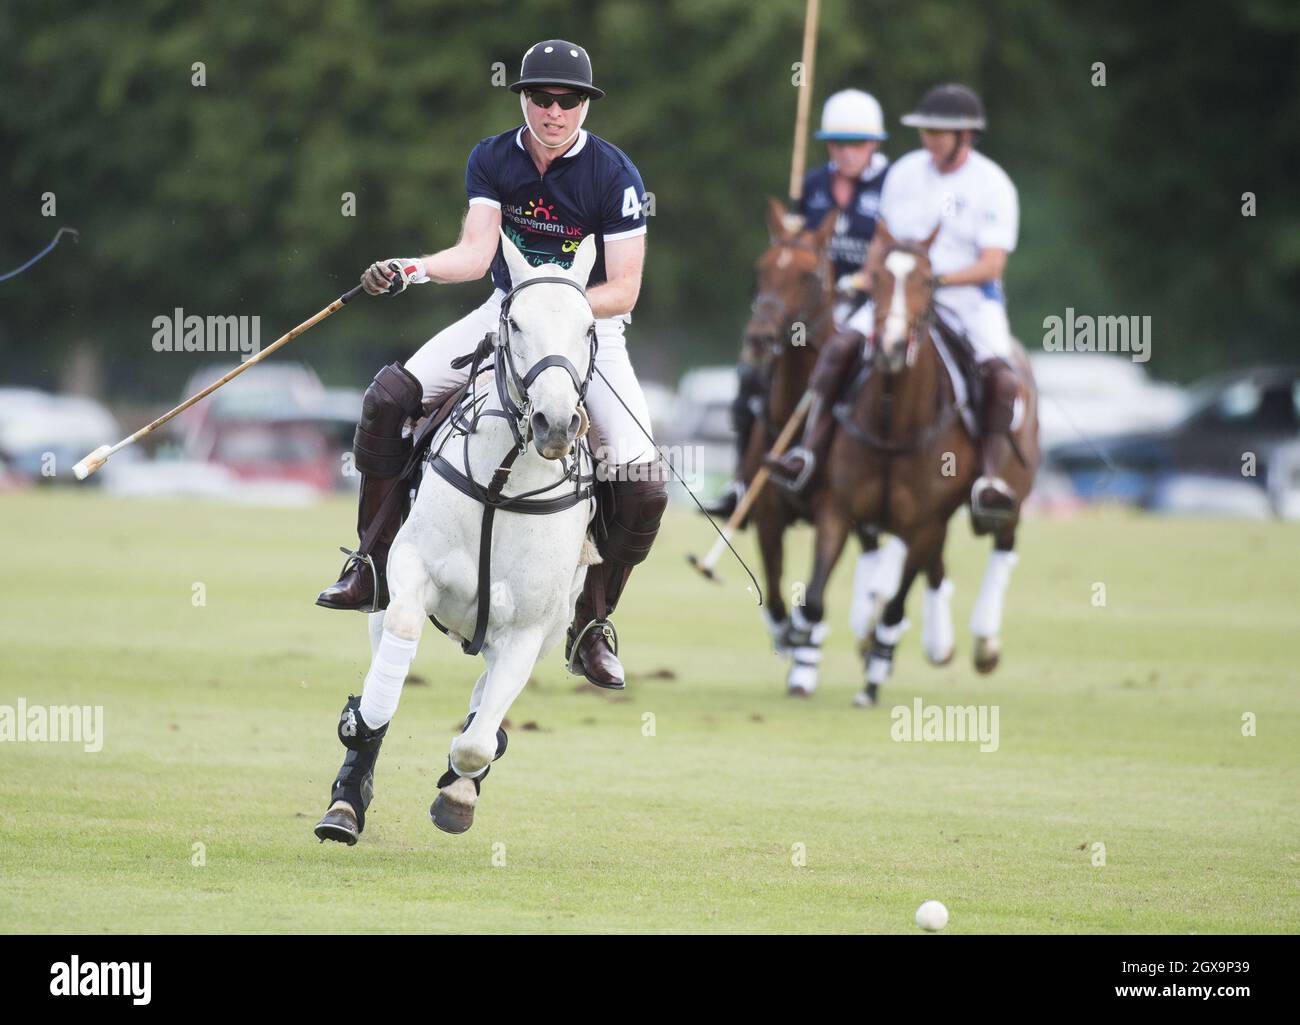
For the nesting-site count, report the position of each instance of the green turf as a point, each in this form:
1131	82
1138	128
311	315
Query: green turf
1119	725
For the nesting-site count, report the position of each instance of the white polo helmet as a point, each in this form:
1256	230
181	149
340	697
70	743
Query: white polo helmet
852	116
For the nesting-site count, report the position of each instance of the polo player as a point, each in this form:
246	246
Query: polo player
847	187
548	183
950	184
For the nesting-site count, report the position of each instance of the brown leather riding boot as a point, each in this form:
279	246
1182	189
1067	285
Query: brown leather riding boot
595	656
992	500
356	587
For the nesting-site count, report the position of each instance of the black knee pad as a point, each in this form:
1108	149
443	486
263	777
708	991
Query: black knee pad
634	507
378	447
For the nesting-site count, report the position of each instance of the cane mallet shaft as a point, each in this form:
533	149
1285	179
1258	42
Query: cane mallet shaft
705	565
809	56
101	455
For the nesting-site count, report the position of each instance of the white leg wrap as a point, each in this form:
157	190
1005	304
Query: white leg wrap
861	607
936	623
383	686
986	617
878	668
777	631
375	627
820	631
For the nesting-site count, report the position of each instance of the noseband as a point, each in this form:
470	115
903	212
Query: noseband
504	365
769	307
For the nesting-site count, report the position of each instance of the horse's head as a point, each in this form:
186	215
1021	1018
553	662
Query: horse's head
902	288
547	344
794	284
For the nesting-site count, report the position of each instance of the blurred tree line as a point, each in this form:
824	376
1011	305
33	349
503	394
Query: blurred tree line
227	197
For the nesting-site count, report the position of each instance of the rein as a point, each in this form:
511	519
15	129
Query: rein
464	422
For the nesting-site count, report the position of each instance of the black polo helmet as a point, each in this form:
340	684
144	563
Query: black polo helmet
557	62
949	107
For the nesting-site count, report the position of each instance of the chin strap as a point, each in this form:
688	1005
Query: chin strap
523	105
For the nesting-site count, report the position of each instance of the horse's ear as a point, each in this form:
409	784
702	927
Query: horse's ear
928	241
520	269
583	260
776	217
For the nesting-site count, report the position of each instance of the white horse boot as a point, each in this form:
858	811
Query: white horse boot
876	578
354	787
986	616
804	641
452	810
936	624
880	663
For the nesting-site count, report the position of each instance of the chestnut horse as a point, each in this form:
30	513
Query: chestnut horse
903	461
792	315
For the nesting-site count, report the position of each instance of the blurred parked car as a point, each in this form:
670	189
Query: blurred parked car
43	435
704	429
1086	395
274	448
1235	424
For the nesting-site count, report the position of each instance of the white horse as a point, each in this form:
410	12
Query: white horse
525	433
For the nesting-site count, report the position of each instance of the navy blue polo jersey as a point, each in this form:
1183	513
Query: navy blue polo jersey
857	222
592	189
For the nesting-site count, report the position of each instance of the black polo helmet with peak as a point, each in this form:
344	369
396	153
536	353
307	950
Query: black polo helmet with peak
557	62
949	107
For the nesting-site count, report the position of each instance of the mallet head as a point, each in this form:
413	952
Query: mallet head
92	462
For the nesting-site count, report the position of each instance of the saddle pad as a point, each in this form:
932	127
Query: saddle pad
961	390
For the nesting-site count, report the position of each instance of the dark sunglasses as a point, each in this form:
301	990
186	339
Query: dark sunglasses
543	99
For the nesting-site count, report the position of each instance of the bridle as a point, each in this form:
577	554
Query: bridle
770	309
512	388
880	441
919	326
512	393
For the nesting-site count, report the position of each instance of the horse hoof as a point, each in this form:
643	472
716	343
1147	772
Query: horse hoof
988	652
869	697
339	824
798	692
452	810
942	660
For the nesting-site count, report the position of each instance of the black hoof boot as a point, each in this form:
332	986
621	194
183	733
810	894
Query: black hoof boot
354	787
452	810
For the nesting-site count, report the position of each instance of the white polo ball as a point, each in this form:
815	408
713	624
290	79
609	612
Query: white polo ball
932	916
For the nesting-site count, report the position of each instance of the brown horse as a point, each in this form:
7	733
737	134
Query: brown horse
792	316
903	461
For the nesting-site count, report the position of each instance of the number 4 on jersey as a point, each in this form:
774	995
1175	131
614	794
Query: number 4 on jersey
631	203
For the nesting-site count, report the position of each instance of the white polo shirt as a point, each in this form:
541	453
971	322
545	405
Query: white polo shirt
977	205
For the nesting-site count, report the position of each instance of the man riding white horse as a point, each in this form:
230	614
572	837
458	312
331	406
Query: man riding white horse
548	185
847	188
950	184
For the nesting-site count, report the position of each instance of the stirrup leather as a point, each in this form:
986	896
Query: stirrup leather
374	574
605	627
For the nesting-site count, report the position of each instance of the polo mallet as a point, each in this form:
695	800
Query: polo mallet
101	455
798	155
705	565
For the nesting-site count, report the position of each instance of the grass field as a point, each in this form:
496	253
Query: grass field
1119	725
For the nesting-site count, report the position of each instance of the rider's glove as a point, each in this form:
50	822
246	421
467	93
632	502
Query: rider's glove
388	277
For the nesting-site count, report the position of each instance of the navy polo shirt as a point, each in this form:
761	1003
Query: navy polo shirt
857	222
592	189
